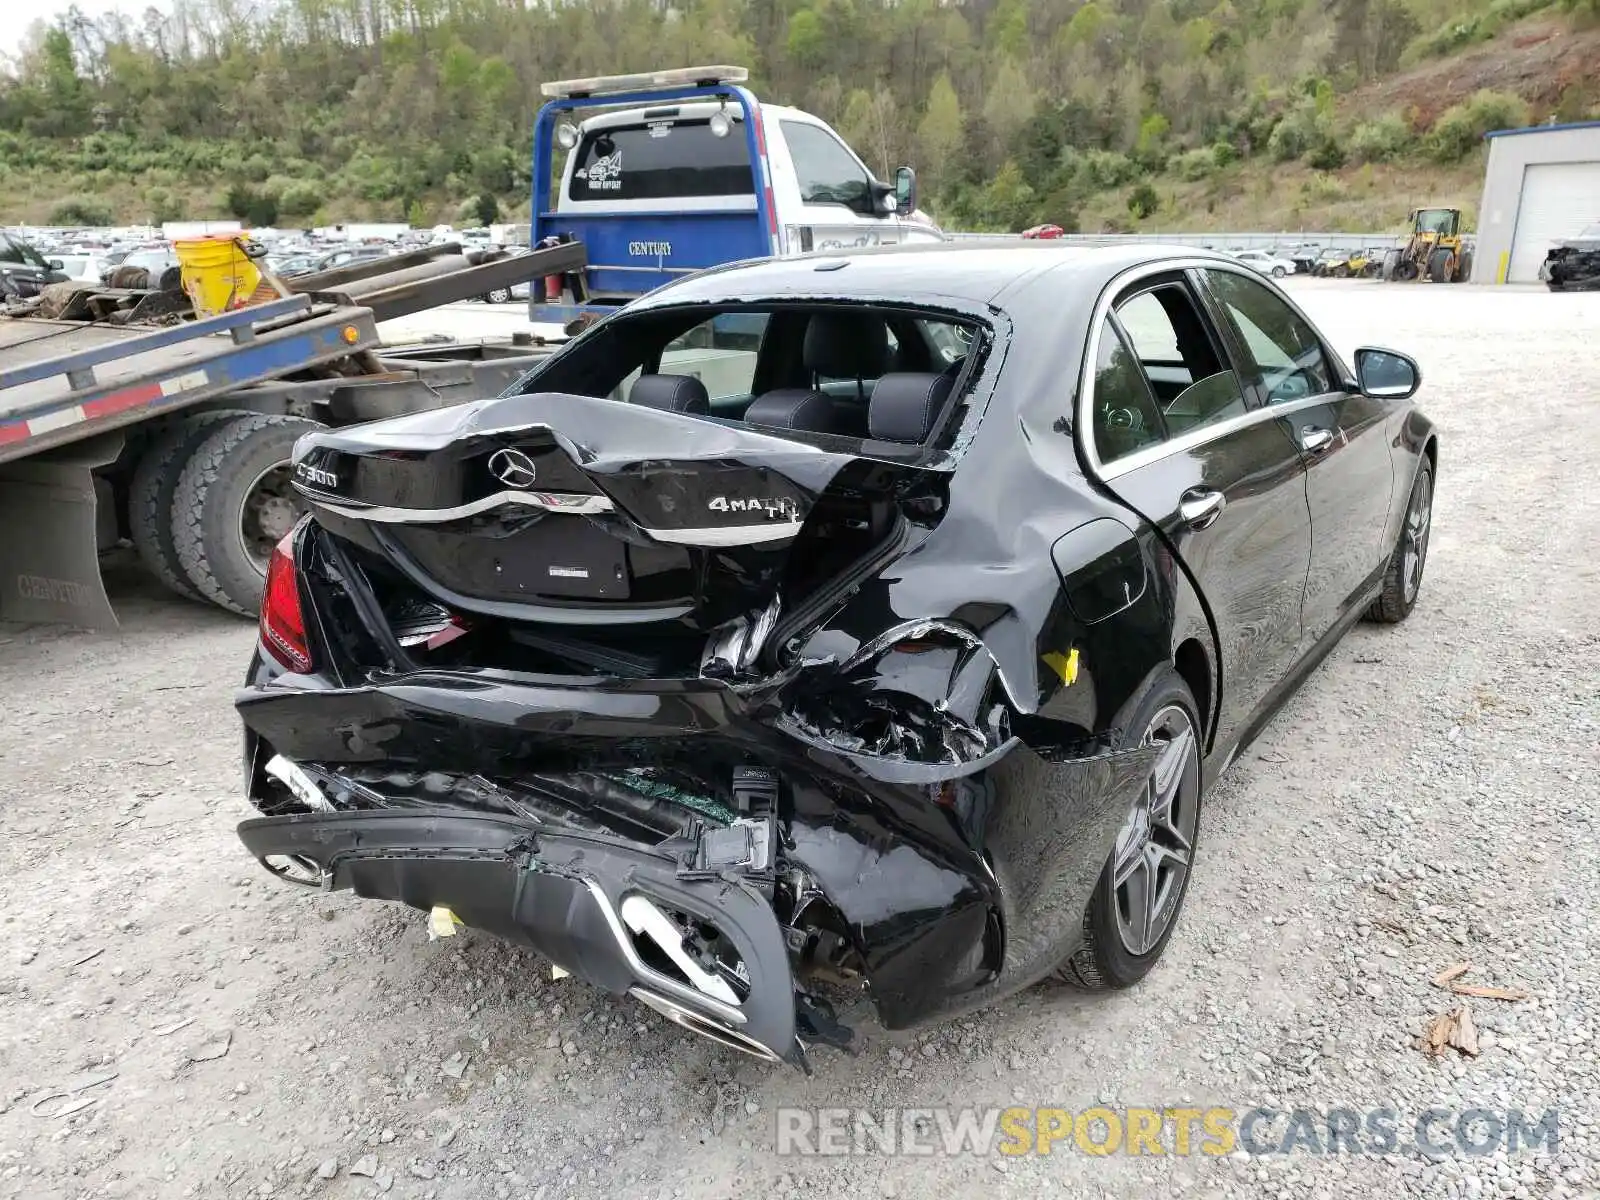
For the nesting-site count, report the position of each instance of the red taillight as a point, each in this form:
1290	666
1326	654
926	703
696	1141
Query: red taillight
283	624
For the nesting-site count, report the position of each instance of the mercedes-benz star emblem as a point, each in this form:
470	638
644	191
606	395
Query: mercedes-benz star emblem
513	468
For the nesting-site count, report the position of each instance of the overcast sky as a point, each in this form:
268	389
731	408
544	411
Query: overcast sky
20	14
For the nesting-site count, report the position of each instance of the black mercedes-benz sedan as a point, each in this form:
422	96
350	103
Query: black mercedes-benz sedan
872	622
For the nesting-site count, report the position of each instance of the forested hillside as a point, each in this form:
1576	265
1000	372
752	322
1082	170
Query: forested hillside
1125	113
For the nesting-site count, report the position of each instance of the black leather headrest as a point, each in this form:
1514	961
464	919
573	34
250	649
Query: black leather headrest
673	393
846	346
904	405
793	408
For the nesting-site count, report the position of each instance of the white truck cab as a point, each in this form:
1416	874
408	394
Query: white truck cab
670	172
655	160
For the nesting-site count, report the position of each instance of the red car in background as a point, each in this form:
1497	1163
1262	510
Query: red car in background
1044	231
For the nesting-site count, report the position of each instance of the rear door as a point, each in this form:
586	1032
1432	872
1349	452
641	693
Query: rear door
1177	437
1340	433
659	198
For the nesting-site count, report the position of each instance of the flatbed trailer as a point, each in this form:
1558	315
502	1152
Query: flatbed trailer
176	436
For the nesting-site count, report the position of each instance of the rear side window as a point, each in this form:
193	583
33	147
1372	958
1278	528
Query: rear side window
1125	416
662	160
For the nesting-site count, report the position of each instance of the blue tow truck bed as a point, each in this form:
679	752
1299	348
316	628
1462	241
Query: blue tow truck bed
62	381
176	435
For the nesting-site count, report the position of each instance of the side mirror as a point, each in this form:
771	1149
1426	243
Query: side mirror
55	264
1387	374
905	190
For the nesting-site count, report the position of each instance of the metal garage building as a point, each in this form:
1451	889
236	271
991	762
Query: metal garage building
1542	185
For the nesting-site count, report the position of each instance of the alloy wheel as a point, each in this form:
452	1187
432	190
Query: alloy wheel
1419	520
1155	844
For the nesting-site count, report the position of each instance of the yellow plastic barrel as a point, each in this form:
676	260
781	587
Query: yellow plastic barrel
217	273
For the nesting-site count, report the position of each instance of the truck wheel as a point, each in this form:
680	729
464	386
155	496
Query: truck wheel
233	503
1439	266
1464	267
499	296
155	482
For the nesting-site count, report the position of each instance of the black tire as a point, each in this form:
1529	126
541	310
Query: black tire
498	296
1463	267
1105	961
155	482
208	509
1278	272
1342	271
1400	591
1439	266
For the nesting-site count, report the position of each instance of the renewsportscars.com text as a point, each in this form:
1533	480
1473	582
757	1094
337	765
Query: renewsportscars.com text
1100	1131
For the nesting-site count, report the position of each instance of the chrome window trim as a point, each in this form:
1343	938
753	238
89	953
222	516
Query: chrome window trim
1084	420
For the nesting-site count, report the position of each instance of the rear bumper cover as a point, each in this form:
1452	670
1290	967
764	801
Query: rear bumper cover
956	885
559	893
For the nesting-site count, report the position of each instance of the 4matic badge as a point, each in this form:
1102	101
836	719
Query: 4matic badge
777	508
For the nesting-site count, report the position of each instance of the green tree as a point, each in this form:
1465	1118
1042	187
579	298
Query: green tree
1143	201
939	132
300	200
807	42
486	208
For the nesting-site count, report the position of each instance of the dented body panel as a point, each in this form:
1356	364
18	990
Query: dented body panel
913	866
877	685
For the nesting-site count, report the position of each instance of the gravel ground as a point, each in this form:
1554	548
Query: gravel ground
1428	797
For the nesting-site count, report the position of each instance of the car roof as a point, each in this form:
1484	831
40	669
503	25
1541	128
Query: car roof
977	271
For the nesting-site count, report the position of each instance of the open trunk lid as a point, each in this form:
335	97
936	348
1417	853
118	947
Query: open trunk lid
583	511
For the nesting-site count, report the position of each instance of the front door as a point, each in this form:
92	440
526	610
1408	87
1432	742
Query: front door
1341	435
1179	439
835	192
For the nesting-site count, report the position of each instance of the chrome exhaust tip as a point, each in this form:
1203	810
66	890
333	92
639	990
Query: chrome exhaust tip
703	1025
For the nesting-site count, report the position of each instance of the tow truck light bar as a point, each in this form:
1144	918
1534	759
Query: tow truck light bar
645	81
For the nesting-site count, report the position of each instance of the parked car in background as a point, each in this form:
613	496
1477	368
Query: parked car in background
148	266
348	255
1266	262
83	268
292	264
23	270
1332	262
1303	256
1046	232
1574	264
729	690
1371	262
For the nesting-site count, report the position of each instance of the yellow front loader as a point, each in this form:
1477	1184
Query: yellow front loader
1436	249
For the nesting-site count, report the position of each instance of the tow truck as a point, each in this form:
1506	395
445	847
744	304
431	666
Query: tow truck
124	420
670	172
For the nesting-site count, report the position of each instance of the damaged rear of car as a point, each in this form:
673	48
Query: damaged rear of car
761	642
1574	264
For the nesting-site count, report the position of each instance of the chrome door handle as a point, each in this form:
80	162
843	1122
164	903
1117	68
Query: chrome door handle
1199	508
1315	439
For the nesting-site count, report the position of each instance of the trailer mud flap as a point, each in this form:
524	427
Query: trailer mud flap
49	544
586	902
